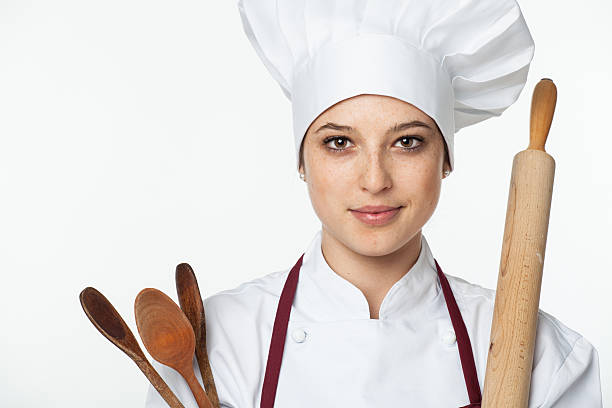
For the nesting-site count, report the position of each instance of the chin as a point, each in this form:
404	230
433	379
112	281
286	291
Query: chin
375	241
370	251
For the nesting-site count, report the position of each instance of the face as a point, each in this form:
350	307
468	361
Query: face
373	150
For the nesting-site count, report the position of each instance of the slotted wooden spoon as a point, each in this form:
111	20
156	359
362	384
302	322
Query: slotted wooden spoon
168	337
108	321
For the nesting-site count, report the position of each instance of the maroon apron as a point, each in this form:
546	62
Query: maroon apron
281	321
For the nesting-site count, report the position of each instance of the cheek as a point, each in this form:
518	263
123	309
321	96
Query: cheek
324	185
329	185
431	185
421	185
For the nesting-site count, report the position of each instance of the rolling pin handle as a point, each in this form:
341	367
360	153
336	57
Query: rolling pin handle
543	105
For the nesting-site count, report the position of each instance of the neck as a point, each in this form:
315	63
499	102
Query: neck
373	275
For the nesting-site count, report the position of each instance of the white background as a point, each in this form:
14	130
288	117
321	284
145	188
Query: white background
135	135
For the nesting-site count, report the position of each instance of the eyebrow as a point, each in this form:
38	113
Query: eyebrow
398	127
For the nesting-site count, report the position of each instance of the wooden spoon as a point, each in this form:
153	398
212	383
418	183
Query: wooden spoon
168	336
108	322
190	300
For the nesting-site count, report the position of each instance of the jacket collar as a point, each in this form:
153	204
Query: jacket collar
323	295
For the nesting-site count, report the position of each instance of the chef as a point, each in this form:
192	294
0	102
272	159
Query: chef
367	316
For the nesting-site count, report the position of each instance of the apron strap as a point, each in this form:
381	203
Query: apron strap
279	333
281	323
463	342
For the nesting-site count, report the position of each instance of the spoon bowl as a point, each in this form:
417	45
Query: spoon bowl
168	337
111	325
164	329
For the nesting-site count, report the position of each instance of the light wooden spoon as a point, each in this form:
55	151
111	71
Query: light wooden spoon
108	322
168	337
190	300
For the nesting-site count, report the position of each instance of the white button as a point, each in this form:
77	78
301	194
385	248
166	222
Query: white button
299	335
449	338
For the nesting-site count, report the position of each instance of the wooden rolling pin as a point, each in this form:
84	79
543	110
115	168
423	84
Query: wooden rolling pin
515	314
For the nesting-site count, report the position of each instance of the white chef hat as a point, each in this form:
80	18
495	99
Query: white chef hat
459	61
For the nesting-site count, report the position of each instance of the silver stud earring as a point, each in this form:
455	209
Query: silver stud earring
446	173
302	176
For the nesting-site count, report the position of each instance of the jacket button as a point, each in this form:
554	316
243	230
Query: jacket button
449	338
298	335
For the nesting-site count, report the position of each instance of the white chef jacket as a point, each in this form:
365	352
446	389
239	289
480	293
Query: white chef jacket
336	356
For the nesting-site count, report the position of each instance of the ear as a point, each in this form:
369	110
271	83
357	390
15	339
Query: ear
301	166
445	165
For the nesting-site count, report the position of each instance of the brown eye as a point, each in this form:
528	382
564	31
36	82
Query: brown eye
337	142
409	142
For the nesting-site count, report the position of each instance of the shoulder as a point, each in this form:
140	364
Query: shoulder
244	309
560	352
239	325
247	297
478	303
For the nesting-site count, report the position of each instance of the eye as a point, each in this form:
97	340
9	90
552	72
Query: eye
336	143
410	142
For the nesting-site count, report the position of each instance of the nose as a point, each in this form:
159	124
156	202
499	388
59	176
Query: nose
375	175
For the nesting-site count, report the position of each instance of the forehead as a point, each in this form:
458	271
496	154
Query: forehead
369	110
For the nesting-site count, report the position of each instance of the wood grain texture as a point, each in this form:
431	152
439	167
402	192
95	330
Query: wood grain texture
111	325
512	340
190	300
168	337
515	315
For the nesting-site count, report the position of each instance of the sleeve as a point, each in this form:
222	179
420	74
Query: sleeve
576	383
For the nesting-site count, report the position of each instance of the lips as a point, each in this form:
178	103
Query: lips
374	208
375	214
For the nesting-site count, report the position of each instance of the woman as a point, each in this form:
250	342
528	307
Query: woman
366	317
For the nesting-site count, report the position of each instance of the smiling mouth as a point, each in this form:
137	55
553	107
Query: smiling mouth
374	209
377	217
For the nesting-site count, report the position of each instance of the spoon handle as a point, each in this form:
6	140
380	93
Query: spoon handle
206	372
191	303
196	389
160	385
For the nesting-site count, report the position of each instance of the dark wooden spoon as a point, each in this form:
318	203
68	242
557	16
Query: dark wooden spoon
168	336
108	322
190	300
